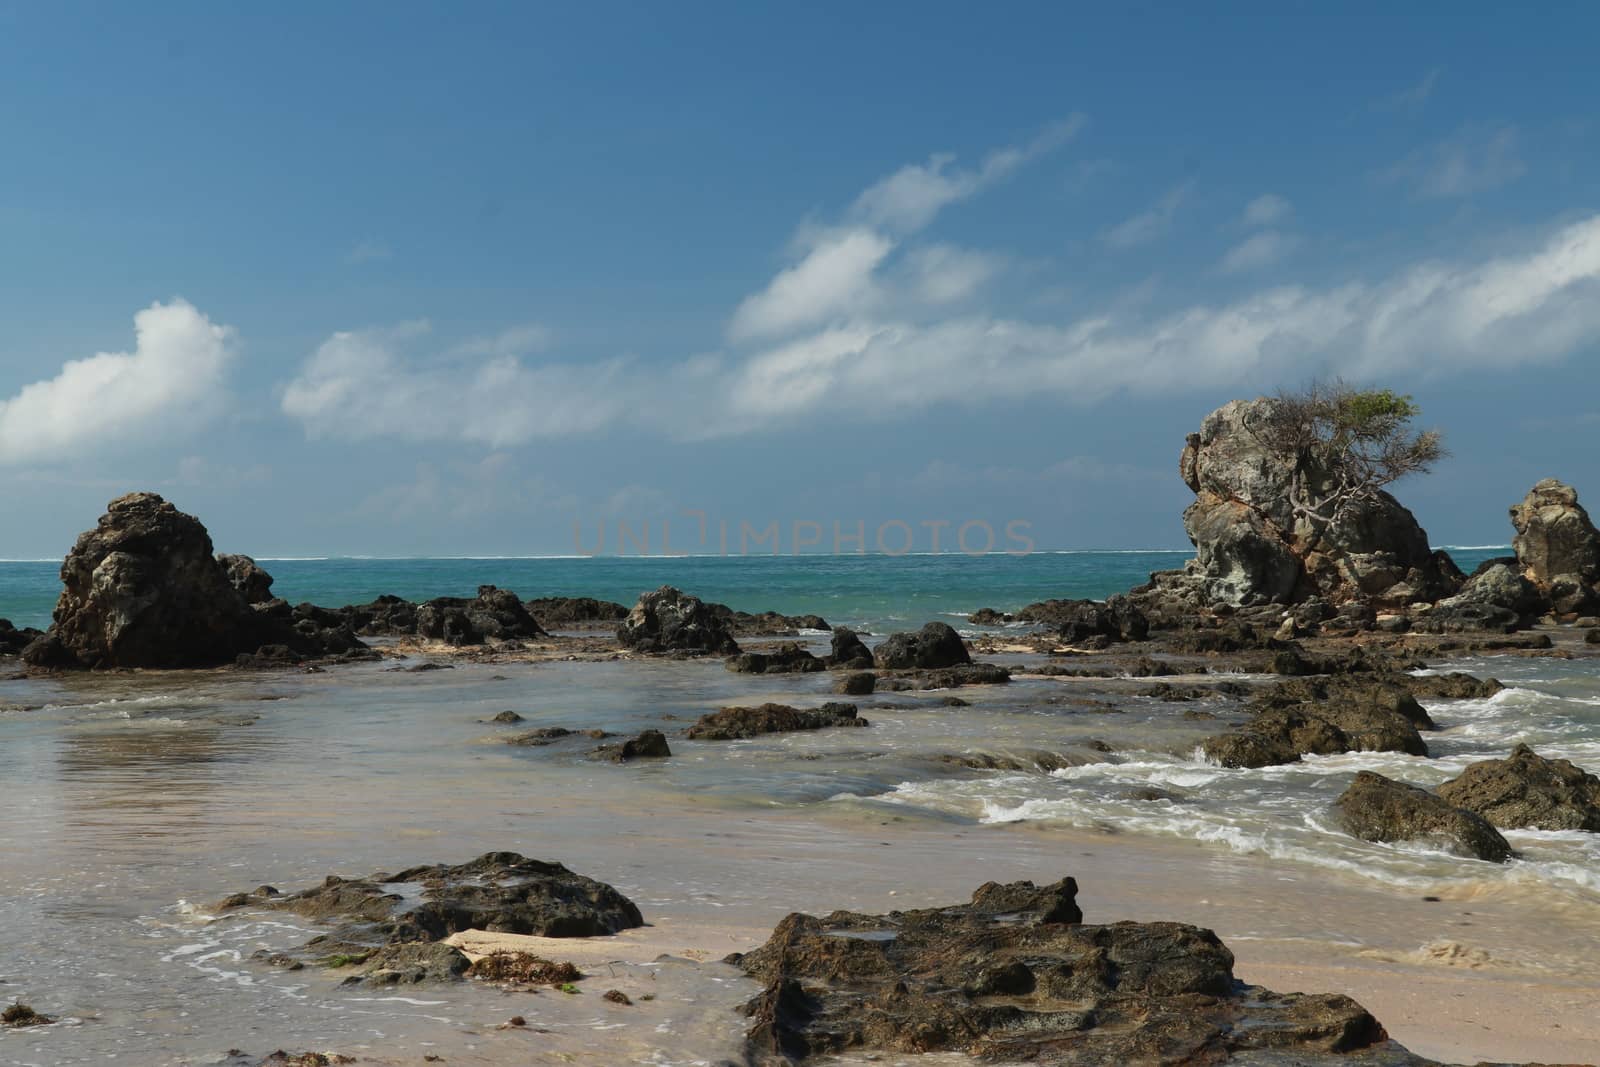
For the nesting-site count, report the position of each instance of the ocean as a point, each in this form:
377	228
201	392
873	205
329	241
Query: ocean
135	799
873	592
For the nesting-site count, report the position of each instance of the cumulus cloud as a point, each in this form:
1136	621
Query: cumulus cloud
1148	226
1259	250
173	380
1475	160
1266	209
946	274
362	384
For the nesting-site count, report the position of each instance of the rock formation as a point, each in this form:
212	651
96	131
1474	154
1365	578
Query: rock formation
1253	547
1528	791
1557	547
493	613
1016	976
935	645
733	724
669	620
1376	808
143	589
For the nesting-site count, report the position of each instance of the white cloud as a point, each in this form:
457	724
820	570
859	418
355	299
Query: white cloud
1150	225
1412	99
359	384
834	277
908	199
171	381
1266	209
1475	160
514	341
1261	249
1531	307
946	274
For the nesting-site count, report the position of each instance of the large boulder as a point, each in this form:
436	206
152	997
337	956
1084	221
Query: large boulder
493	613
1528	791
1324	717
1380	809
669	620
1253	546
935	645
1554	535
144	589
1016	976
1496	598
248	577
1116	619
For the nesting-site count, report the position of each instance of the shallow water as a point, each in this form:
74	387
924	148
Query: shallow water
135	800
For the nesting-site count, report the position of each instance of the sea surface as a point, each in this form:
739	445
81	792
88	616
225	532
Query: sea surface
875	592
135	800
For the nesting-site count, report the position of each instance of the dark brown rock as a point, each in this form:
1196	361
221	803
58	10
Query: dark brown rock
1528	791
935	645
731	724
1380	809
1015	976
668	620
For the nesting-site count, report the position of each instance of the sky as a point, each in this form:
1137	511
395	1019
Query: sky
423	279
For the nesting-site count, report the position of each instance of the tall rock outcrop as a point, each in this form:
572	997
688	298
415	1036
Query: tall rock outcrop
143	589
1558	547
1253	547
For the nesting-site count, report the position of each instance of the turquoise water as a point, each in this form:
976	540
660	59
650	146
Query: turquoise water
870	591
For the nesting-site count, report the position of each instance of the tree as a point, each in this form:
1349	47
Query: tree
1344	445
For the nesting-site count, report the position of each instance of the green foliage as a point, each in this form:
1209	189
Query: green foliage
568	987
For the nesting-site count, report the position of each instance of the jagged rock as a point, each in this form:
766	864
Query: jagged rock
1456	685
574	610
668	620
1323	717
732	724
1554	535
493	613
990	617
848	650
1528	791
1495	598
1116	619
1015	976
1380	809
144	589
651	744
1253	547
14	640
767	623
787	658
935	645
247	576
1570	596
499	891
387	616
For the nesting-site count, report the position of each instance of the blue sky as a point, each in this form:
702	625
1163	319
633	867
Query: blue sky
415	279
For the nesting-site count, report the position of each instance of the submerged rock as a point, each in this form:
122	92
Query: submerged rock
18	1014
410	963
1528	791
1015	975
651	744
856	684
668	620
787	658
935	645
1380	809
945	678
499	891
732	724
1324	717
524	968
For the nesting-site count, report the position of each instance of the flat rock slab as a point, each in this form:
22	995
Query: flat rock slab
1015	975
